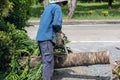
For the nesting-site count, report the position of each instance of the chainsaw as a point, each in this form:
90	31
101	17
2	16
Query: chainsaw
64	38
61	40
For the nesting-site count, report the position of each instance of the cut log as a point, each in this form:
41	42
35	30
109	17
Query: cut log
74	59
82	59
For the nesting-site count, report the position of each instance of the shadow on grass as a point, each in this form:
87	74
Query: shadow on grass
66	73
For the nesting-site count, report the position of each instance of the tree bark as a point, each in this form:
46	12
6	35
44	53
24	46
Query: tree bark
110	3
46	2
71	8
82	59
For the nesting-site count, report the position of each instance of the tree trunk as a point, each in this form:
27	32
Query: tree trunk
73	59
71	8
110	3
82	59
46	2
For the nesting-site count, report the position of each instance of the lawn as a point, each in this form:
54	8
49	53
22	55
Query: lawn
85	11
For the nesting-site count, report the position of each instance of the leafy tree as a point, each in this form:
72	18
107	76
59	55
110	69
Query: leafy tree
20	13
5	6
14	40
3	26
6	49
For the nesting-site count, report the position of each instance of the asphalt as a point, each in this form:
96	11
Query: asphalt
75	22
94	72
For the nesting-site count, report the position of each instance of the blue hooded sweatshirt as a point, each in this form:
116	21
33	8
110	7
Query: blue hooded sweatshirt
50	23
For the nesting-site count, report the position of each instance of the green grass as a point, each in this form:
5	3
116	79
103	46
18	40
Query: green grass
83	11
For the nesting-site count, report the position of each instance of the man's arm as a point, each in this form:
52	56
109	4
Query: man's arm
57	21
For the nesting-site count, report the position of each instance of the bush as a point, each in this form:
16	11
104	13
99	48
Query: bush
6	49
23	44
6	26
20	13
105	13
17	18
3	26
5	6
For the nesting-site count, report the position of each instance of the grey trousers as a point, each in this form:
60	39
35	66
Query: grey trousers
46	49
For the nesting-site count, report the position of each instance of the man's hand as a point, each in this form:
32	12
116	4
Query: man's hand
63	36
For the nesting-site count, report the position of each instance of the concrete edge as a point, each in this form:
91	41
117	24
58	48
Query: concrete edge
74	22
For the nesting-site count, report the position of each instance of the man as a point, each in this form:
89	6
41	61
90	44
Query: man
50	24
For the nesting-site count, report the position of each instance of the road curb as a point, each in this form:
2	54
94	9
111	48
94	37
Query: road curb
75	22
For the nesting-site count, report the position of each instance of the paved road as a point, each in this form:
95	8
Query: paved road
88	37
93	32
90	32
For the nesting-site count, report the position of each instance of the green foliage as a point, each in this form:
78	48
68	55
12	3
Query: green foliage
20	13
14	41
5	6
3	26
6	49
6	26
16	73
24	46
82	9
25	72
19	35
10	29
36	73
12	76
17	18
116	0
93	0
15	67
105	13
37	10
